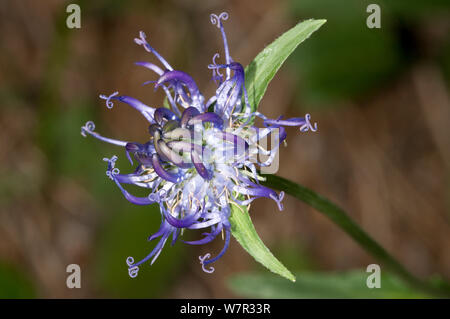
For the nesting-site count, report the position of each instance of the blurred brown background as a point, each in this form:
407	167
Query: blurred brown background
380	97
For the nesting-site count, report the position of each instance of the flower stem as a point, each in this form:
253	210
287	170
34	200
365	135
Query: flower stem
343	221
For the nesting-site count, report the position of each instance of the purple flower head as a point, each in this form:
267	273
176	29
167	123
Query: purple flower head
201	155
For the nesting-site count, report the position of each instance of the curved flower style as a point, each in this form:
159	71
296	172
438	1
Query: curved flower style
201	155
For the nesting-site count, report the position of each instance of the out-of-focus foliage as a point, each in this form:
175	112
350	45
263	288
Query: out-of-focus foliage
14	284
294	255
350	60
351	284
416	9
444	60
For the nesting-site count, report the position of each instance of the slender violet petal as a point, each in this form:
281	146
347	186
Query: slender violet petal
199	166
181	76
145	110
142	41
152	67
206	261
207	117
163	113
188	113
89	128
206	239
168	176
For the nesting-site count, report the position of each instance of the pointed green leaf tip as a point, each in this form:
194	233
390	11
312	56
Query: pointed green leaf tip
258	75
243	230
263	68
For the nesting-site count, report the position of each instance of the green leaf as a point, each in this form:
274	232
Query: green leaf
263	68
258	75
346	60
314	285
339	217
15	284
245	233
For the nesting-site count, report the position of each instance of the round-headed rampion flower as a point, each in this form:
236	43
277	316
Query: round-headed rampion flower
201	156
